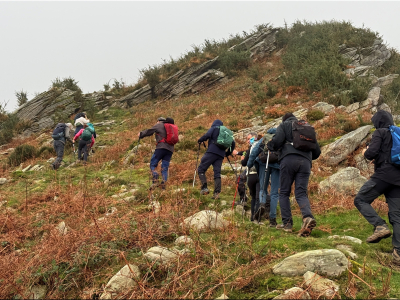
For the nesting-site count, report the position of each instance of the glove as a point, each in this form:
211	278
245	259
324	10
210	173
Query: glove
199	141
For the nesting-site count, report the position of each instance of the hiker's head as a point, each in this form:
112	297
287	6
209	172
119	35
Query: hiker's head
287	116
169	121
251	138
69	125
160	119
217	123
382	119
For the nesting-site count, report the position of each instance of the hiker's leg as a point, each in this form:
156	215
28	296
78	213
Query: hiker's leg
371	190
86	151
242	186
217	165
301	186
155	159
262	176
286	177
205	163
274	192
59	148
393	201
166	159
81	145
252	181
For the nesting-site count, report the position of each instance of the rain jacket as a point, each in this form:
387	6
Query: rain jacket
212	136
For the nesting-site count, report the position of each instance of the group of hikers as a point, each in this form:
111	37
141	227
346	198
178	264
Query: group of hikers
278	159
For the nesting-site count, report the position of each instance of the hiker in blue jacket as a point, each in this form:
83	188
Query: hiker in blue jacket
267	203
214	156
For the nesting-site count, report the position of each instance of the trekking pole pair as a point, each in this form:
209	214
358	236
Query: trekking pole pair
197	162
263	186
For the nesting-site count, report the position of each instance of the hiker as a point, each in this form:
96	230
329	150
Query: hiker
94	136
215	154
79	120
295	166
86	138
166	137
253	181
60	135
385	180
268	203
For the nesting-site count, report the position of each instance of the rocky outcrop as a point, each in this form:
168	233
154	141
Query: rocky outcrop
320	285
204	220
324	107
259	44
121	282
329	262
346	180
338	151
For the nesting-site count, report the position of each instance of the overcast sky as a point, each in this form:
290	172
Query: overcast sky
95	42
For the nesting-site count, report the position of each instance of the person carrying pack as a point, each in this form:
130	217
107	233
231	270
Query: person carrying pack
383	149
167	136
86	138
220	145
60	135
79	120
298	147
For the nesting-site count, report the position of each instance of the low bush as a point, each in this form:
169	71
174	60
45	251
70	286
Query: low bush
350	126
272	90
230	62
315	115
187	144
21	154
7	128
45	152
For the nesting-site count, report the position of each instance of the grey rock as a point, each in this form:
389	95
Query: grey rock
324	107
385	107
3	181
373	95
364	165
62	228
386	80
319	285
205	219
223	296
155	206
161	254
329	262
352	107
38	292
347	250
346	180
346	237
294	293
51	160
184	240
338	151
123	281
27	168
8	151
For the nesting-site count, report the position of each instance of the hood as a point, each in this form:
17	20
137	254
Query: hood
217	123
382	119
291	119
272	130
90	125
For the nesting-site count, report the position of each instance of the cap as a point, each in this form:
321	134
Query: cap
161	119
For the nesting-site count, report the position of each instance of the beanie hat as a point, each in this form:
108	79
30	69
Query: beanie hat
169	120
287	116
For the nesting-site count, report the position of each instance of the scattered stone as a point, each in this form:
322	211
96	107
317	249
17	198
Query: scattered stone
111	211
38	292
223	203
352	107
330	262
130	198
51	160
344	181
8	151
161	254
239	209
26	169
205	219
62	228
338	151
180	190
373	96
3	203
294	293
324	107
320	285
346	237
36	168
184	240
122	281
348	251
223	296
3	181
155	205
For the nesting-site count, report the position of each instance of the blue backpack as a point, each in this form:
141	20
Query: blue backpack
395	152
59	131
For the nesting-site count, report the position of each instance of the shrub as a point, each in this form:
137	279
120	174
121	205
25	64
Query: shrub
21	154
315	115
45	152
7	128
230	62
350	126
152	75
255	72
67	82
22	97
187	144
272	90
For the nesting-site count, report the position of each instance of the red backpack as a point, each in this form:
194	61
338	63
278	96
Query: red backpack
172	134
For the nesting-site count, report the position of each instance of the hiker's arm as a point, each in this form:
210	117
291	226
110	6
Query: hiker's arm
246	158
147	132
77	135
278	140
206	137
374	146
253	154
230	150
316	153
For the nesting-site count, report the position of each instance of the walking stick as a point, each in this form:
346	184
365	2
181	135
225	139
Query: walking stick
197	162
263	185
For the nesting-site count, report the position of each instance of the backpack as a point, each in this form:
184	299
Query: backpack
304	136
87	133
263	156
225	138
172	134
59	132
395	151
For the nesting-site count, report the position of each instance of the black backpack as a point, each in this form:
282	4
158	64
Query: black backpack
304	136
263	156
59	131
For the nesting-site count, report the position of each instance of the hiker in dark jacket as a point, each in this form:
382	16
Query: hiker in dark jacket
214	156
163	151
295	166
385	180
59	144
79	120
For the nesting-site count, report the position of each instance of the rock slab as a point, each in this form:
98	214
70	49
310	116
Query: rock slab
346	237
205	219
121	282
345	181
320	285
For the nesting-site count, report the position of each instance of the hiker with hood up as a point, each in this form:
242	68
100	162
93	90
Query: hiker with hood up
163	150
268	203
386	181
86	135
295	166
214	156
79	120
60	135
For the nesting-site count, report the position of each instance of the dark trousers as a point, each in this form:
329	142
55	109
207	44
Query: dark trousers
59	148
254	186
242	186
83	147
371	190
297	169
211	159
164	155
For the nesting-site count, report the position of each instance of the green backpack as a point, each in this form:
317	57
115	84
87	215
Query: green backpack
225	138
87	133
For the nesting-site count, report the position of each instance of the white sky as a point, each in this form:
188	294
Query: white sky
95	42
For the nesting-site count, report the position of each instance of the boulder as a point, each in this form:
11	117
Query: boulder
185	241
155	206
3	181
385	107
347	250
373	96
121	282
364	165
346	180
352	107
320	285
294	293
62	228
329	262
346	237
338	151
38	292
205	219
160	254
324	107
386	80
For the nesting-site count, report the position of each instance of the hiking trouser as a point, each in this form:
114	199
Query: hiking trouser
209	159
83	148
254	186
242	186
297	169
272	201
371	190
59	148
164	155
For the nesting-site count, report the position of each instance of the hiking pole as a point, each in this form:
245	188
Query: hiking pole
197	162
263	185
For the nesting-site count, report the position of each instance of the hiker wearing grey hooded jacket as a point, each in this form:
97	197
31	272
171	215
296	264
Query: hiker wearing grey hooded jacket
59	145
385	180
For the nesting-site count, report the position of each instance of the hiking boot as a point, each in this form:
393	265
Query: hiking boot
258	223
215	196
381	232
93	151
288	227
162	185
204	191
272	223
308	225
260	212
154	185
396	257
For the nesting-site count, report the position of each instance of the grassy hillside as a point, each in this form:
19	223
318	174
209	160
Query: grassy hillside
236	261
